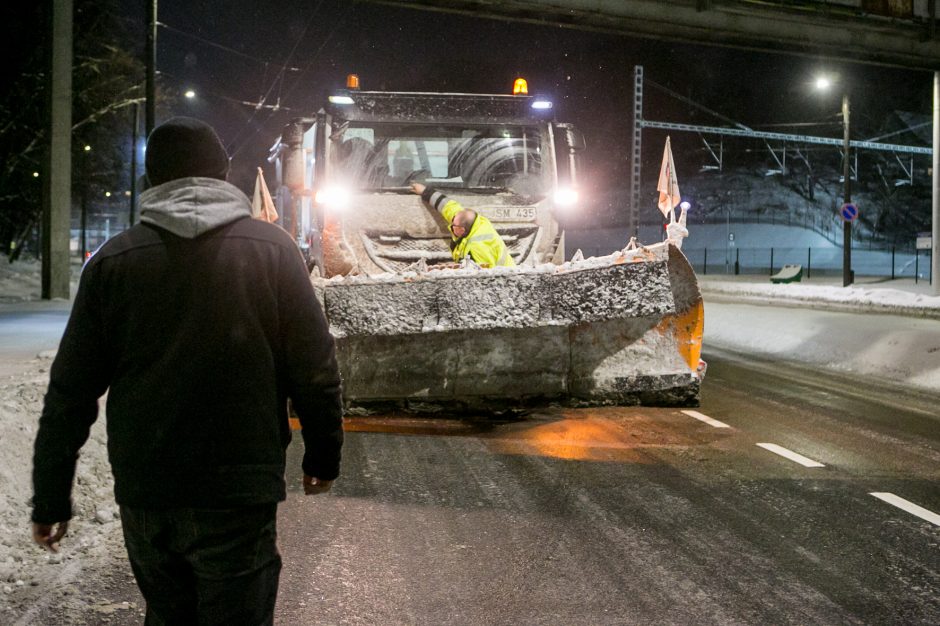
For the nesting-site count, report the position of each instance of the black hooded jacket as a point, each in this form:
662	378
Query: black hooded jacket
199	323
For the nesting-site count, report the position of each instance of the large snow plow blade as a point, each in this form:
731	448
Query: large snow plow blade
623	329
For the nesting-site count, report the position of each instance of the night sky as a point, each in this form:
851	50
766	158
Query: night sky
234	54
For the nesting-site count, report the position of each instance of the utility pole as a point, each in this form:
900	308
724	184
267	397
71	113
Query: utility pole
935	179
847	278
133	204
57	178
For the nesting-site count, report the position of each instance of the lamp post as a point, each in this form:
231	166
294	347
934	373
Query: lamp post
823	84
847	274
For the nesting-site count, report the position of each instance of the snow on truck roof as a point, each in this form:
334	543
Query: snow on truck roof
388	106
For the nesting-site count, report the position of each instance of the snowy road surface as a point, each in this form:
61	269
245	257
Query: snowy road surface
631	515
27	330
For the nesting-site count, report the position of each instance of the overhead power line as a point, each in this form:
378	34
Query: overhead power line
216	94
226	48
310	64
692	102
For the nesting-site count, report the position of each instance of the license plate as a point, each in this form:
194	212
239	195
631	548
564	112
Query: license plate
510	213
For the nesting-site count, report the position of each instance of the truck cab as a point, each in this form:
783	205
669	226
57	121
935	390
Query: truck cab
344	177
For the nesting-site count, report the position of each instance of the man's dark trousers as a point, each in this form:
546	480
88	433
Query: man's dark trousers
197	566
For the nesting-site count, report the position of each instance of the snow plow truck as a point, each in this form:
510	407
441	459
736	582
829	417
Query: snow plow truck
413	330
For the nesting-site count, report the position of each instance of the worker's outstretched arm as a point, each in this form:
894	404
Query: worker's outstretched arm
437	201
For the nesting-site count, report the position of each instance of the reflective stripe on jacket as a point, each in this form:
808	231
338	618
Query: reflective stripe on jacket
482	243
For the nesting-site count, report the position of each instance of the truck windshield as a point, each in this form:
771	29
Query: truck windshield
482	159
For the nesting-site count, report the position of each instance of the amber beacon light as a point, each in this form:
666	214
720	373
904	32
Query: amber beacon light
352	81
520	87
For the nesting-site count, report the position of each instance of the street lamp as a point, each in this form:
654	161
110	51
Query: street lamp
823	83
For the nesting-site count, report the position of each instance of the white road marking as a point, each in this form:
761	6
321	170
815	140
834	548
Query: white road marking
910	507
790	454
706	419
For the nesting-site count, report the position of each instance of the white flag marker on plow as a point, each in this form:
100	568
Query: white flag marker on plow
668	185
669	197
262	206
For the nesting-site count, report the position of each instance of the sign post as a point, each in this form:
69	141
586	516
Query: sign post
847	273
849	212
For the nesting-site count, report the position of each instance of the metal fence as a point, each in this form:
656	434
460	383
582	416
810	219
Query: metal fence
890	263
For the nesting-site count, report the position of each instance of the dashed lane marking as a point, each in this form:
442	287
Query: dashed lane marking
908	506
790	454
706	419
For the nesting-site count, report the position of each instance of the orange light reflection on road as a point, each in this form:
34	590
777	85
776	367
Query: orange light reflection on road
612	434
582	439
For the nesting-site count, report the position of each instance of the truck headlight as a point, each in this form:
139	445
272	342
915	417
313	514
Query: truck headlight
336	198
566	198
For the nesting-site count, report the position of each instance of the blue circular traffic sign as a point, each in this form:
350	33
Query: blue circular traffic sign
849	211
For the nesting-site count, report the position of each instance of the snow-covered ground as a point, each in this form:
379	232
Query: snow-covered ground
30	578
884	330
887	330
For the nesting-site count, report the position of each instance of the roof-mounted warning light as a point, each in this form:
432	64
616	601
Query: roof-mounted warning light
520	87
342	96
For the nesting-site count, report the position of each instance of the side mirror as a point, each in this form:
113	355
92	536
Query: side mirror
574	139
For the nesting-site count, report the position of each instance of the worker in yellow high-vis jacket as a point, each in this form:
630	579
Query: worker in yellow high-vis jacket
471	234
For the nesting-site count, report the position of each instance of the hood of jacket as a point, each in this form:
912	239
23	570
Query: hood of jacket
189	207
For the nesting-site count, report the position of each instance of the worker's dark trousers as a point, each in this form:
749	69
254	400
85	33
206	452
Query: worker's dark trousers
196	566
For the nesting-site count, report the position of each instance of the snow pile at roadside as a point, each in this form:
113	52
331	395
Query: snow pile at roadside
899	344
854	298
28	574
30	577
22	281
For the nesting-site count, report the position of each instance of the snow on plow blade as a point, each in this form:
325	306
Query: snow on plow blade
622	329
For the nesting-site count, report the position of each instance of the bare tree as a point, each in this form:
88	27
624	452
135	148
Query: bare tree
107	81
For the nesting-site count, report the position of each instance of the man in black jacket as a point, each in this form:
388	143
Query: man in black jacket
200	323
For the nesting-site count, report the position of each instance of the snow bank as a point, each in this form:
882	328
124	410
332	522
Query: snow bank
30	577
894	337
856	298
22	281
902	350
